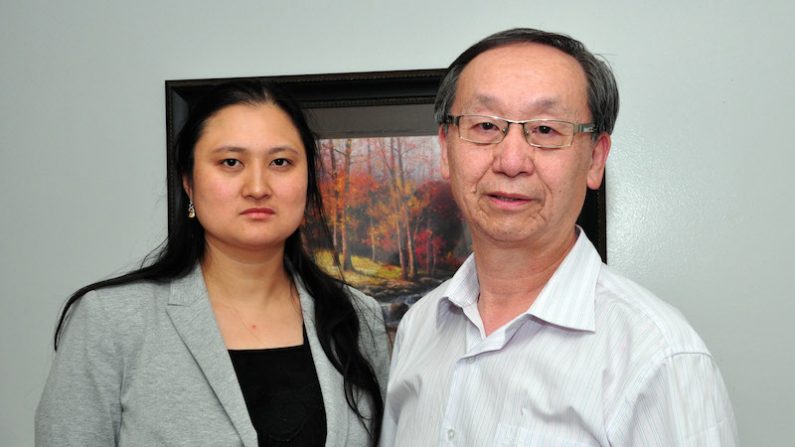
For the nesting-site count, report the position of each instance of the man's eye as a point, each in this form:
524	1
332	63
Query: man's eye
281	162
230	162
485	127
547	131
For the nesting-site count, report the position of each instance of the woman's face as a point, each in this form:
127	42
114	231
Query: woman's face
249	178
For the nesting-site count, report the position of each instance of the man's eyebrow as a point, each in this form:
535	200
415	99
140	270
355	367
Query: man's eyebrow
547	104
542	104
483	100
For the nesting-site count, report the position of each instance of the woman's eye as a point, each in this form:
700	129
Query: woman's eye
281	162
230	162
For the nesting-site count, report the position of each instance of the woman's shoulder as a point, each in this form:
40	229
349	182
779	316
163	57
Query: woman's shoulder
118	309
132	296
139	288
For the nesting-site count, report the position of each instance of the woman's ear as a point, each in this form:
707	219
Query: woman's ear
186	185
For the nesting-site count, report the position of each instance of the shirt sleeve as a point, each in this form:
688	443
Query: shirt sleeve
679	402
80	405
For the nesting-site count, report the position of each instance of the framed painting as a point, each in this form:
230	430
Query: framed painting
395	227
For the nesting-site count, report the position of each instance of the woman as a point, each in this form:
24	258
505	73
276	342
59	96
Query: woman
233	335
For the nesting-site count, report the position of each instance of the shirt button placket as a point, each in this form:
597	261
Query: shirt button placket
450	418
450	434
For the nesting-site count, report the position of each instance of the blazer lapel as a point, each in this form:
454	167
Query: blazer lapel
331	384
190	312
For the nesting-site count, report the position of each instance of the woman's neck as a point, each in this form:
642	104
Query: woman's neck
245	278
254	301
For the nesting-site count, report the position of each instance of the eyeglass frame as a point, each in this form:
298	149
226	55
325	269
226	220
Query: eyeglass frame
577	128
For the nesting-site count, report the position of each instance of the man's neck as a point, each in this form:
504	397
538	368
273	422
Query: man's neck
512	278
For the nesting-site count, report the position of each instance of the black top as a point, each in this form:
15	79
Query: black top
282	394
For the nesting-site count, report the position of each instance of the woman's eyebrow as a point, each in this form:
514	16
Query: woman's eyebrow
229	149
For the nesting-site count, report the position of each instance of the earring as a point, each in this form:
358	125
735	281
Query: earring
191	210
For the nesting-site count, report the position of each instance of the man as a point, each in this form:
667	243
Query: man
534	341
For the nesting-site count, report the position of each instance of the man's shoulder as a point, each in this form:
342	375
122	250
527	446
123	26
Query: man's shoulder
430	300
624	305
424	311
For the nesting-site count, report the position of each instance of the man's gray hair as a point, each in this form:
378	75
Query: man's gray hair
602	88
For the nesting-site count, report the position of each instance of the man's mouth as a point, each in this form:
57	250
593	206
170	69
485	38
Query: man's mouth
506	197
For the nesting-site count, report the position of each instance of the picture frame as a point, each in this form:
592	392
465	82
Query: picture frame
376	111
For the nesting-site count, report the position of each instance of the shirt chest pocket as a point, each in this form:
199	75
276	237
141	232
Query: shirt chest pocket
512	435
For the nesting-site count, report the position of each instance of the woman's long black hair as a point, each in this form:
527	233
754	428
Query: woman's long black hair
336	318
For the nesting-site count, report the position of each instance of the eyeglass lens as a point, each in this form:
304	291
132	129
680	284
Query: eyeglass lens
541	133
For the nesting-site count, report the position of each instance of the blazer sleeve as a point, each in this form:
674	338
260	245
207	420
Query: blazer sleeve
80	405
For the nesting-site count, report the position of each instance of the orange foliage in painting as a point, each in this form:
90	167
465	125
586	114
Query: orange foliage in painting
385	200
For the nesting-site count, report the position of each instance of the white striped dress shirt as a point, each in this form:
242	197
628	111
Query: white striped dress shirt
595	361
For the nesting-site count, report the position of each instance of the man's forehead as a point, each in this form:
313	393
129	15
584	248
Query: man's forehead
526	78
532	52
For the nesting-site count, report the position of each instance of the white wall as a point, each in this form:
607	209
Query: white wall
699	206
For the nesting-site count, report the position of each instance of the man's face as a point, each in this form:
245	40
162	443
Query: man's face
513	194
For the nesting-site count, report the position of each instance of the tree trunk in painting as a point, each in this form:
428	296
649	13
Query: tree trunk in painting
347	263
334	217
429	258
404	213
396	204
370	227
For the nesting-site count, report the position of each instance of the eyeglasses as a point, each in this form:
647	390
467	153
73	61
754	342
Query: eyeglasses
547	134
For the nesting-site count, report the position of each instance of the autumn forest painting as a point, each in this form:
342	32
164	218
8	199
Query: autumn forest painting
393	221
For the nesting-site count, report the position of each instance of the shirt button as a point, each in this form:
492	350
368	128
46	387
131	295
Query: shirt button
450	434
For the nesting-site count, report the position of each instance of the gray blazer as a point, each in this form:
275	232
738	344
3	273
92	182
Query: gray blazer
145	365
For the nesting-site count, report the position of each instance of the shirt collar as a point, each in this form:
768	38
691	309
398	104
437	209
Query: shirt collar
567	300
462	290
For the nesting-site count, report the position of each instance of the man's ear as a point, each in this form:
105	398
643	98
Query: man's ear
599	152
443	129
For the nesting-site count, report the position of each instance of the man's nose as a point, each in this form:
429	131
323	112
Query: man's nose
514	155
